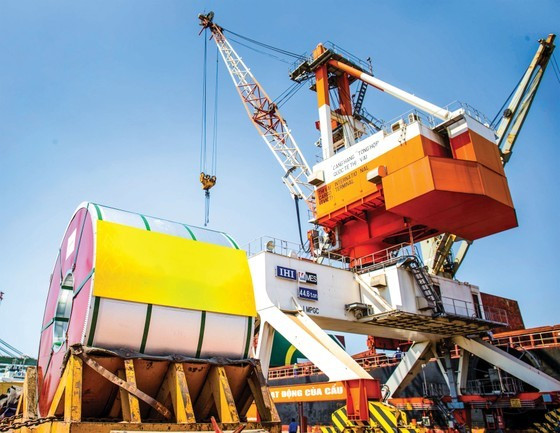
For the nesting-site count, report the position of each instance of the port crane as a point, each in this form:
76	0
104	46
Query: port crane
387	293
332	70
161	391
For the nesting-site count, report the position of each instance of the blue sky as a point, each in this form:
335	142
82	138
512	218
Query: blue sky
100	101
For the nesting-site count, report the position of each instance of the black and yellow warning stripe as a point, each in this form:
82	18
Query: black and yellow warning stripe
340	419
552	419
543	427
382	416
553	416
389	418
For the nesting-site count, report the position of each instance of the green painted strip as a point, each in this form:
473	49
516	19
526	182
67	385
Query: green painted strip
60	265
83	283
47	326
231	240
201	333
93	320
98	210
48	364
145	222
80	238
146	328
337	341
190	232
248	339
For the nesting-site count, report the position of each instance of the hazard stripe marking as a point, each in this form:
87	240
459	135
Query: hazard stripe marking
382	418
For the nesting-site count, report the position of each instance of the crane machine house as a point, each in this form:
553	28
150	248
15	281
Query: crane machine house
410	183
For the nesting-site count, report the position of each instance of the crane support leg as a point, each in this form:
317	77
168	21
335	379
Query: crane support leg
463	371
314	343
507	362
409	367
346	109
322	80
450	376
264	345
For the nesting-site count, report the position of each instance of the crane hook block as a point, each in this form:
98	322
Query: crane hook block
207	181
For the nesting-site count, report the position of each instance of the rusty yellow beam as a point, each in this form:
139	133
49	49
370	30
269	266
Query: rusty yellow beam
70	387
73	390
129	403
59	393
180	396
174	390
28	399
261	394
216	390
223	398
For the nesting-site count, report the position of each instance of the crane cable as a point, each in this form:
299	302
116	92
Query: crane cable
208	174
208	180
500	113
269	47
280	59
555	67
287	94
296	199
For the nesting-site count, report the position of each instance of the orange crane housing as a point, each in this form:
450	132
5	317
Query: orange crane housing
406	184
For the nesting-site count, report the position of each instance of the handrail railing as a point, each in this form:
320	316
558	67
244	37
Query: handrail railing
383	258
531	340
308	369
275	245
506	385
464	308
295	250
415	115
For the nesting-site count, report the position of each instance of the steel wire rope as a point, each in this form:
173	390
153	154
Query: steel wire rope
215	125
493	124
261	52
555	67
306	250
203	132
284	97
284	94
288	93
270	47
292	90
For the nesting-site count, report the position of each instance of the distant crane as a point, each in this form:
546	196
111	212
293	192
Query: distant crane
7	349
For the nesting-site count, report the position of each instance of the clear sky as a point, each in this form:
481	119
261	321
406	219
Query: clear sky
100	101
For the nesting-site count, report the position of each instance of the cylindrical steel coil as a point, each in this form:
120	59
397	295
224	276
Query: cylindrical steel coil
128	281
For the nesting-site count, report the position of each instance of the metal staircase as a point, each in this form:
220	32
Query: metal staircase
360	113
447	414
360	97
425	283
